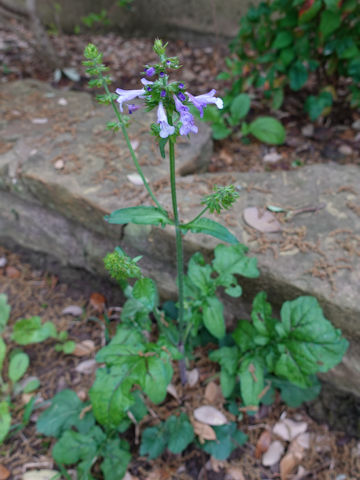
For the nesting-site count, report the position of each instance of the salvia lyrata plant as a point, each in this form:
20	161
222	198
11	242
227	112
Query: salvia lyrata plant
151	340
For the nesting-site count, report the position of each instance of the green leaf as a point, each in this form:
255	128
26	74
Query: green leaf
210	227
277	99
228	437
295	396
31	330
268	130
4	311
116	459
18	365
68	347
282	40
5	420
228	358
231	260
199	276
145	292
251	380
309	11
2	353
308	342
261	316
240	106
154	441
298	75
64	413
332	4
213	317
139	215
31	385
244	336
315	105
162	143
354	69
329	22
180	431
220	131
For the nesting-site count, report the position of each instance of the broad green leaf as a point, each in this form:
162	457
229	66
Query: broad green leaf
116	459
309	11
64	413
2	353
213	316
5	420
354	69
298	75
230	261
308	343
228	437
251	375
287	56
295	396
261	316
228	358
162	143
31	385
277	98
154	441
244	336
31	330
333	4
68	347
158	375
210	227
268	130
329	22
18	365
145	292
4	311
240	106
282	40
111	395
220	131
139	215
315	105
199	276
180	431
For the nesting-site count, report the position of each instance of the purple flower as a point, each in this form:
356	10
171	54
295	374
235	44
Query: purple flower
165	128
146	82
168	62
187	120
163	93
127	96
149	72
132	108
181	85
200	101
181	97
161	74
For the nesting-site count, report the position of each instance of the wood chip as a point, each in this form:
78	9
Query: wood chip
84	348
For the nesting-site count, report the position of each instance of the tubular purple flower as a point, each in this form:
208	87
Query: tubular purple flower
149	72
200	101
163	93
127	96
146	82
165	129
187	120
132	108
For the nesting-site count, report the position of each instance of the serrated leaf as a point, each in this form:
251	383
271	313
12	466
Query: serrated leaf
227	439
31	330
231	260
308	342
139	215
145	292
18	365
180	431
213	316
199	275
4	311
154	441
268	130
210	227
5	420
251	375
261	316
116	459
64	413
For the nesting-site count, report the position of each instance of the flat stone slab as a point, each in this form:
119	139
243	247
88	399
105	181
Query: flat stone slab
60	212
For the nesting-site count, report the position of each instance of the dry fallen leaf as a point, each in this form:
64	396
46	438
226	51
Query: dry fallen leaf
172	391
135	179
39	475
273	454
294	456
235	473
263	443
288	429
87	367
262	220
287	465
210	415
12	272
216	464
84	348
74	310
4	472
213	393
193	377
204	432
97	301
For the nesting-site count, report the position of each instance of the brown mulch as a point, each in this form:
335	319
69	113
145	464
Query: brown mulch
33	292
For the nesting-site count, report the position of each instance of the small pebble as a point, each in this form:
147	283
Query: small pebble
39	121
62	101
3	262
272	157
345	150
356	125
59	164
308	130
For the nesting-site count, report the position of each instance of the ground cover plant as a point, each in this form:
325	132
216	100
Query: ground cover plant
301	46
153	341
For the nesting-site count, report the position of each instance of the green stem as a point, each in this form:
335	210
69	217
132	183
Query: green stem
197	217
131	150
179	258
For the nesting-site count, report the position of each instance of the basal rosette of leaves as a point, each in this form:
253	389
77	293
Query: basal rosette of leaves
282	43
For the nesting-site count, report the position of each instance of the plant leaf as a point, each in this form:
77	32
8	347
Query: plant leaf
308	342
5	420
213	317
251	380
4	311
210	227
228	358
154	441
139	215
298	75
180	431
240	106
228	437
268	130
2	353
116	459
18	365
31	330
